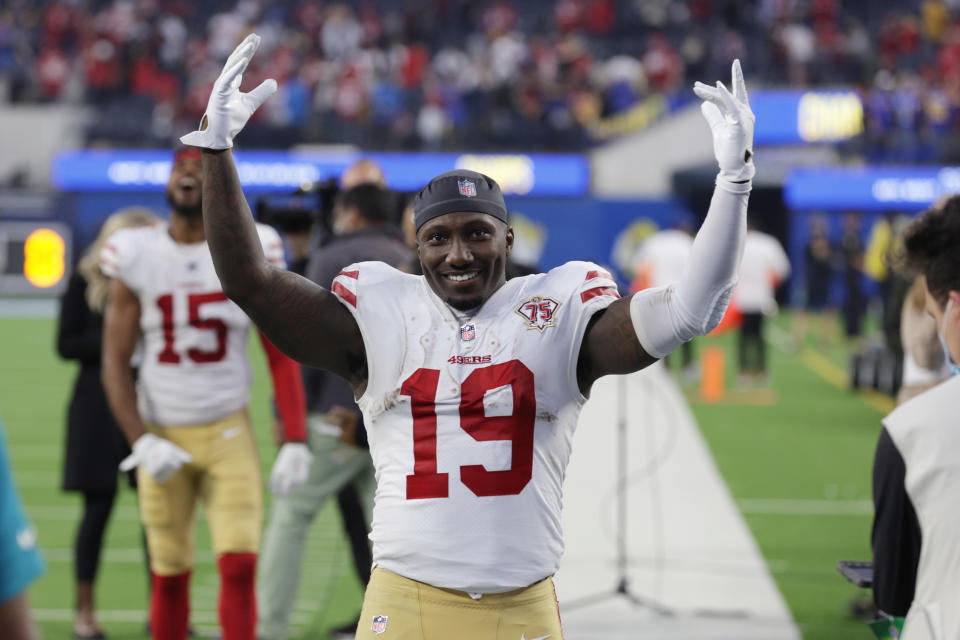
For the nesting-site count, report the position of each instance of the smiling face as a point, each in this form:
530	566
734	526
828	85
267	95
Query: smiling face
464	256
185	186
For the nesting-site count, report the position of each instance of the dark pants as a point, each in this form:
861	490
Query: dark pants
751	349
686	355
97	506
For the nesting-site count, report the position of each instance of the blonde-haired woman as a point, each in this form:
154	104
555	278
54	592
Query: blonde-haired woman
94	445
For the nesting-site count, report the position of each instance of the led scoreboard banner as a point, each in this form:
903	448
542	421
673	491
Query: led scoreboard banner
791	117
521	174
869	188
34	257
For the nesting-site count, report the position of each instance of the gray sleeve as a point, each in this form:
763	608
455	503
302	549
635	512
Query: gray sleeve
318	269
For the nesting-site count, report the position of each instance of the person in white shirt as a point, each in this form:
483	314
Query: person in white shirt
764	267
659	261
470	384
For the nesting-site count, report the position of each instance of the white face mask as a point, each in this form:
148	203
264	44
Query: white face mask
942	335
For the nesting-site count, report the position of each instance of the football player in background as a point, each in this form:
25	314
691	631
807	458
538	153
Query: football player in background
659	261
470	384
187	418
764	266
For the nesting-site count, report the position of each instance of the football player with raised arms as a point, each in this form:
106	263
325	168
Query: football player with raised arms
470	384
186	418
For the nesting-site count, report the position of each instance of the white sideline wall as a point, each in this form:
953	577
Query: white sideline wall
32	135
688	547
642	165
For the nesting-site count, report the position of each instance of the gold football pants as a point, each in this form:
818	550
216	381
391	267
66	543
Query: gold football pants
224	473
397	608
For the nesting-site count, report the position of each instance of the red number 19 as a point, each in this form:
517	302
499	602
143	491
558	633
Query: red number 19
421	387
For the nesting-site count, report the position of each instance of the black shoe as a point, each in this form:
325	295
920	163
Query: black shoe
98	635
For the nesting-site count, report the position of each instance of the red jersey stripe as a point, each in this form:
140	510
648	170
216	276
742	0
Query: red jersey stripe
597	274
345	294
598	291
350	274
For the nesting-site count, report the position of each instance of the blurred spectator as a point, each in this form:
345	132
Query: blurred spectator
764	267
854	304
819	263
445	74
660	261
337	439
95	444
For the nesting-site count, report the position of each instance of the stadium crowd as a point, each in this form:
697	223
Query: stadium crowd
435	74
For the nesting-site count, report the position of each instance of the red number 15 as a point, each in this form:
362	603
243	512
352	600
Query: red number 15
218	326
425	482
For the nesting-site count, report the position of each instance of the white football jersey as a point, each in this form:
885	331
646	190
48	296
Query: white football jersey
763	267
470	420
194	368
663	256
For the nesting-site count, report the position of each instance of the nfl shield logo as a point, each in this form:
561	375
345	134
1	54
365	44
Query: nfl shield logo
467	188
468	332
379	624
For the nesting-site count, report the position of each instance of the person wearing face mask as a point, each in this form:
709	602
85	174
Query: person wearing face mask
916	474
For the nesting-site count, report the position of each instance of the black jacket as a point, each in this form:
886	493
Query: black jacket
95	444
324	389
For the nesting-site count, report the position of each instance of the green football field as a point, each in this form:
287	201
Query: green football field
797	458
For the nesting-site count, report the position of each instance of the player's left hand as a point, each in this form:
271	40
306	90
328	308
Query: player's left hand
228	109
731	122
291	468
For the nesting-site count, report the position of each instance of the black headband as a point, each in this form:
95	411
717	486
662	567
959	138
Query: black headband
459	190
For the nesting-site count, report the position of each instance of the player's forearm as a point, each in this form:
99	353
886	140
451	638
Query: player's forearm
711	273
121	393
230	229
666	317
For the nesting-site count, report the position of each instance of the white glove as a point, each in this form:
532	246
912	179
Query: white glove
731	122
228	109
291	468
158	457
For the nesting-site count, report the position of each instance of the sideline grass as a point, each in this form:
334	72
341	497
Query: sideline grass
815	442
34	390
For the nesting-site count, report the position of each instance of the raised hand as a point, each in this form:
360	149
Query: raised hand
731	122
228	109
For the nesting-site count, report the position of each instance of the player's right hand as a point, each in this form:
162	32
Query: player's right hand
291	468
228	109
158	457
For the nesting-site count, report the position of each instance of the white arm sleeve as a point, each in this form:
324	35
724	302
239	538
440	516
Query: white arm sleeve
666	317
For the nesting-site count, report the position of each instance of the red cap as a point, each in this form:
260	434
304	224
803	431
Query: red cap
186	152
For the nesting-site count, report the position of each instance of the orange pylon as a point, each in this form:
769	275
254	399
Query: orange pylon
712	376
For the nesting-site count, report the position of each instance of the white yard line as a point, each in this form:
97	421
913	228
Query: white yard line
55	513
799	507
